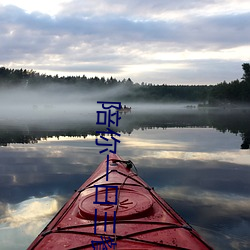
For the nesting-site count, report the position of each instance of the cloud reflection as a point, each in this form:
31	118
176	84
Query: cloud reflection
223	156
186	144
228	203
22	222
29	211
222	213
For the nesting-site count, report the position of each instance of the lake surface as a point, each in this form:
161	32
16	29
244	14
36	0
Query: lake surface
197	160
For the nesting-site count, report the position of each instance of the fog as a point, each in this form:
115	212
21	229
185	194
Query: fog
64	103
55	102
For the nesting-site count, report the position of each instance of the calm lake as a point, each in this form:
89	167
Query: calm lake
198	160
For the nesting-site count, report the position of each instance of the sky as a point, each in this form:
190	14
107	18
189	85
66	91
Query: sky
152	41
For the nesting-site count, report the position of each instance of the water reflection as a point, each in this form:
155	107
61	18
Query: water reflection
234	121
19	222
29	210
195	166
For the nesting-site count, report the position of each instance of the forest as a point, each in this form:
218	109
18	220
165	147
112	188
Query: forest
224	93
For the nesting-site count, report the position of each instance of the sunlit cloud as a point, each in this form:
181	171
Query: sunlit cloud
188	56
45	6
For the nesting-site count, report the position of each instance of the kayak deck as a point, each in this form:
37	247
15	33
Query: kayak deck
140	220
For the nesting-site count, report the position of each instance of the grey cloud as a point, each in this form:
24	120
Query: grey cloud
134	8
98	39
220	31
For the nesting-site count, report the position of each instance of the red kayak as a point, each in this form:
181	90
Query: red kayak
116	209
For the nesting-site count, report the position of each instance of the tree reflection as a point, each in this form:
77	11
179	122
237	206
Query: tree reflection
246	141
236	122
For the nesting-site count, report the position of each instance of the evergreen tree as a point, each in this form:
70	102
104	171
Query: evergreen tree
246	69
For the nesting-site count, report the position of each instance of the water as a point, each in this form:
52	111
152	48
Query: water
193	159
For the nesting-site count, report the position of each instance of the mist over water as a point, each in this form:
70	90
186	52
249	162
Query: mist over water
55	102
61	102
30	114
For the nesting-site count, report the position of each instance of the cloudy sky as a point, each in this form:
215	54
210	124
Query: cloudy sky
157	41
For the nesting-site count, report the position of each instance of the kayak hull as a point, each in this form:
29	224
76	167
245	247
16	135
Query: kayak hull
122	211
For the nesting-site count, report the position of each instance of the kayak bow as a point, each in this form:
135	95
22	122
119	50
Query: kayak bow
124	210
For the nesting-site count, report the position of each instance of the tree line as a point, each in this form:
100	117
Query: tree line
236	91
